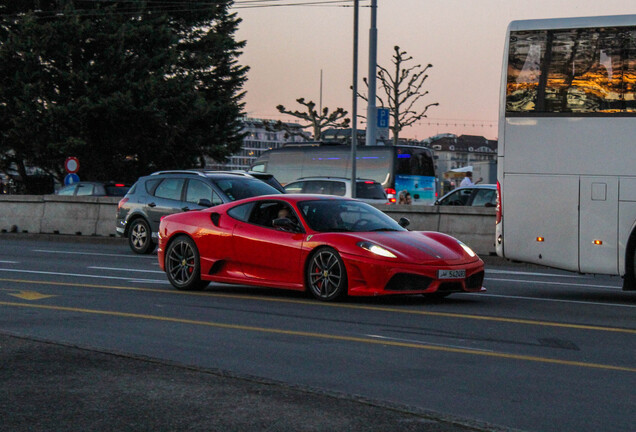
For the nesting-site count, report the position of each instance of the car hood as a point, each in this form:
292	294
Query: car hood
417	247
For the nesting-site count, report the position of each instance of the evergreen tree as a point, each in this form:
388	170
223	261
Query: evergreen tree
125	86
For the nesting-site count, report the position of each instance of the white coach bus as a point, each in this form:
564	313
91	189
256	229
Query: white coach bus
567	145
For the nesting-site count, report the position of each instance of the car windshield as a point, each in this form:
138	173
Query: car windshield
345	216
237	188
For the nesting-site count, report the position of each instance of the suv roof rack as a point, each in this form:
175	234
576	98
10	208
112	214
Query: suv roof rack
201	172
334	178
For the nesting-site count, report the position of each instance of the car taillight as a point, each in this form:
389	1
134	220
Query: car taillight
390	195
121	203
499	212
120	184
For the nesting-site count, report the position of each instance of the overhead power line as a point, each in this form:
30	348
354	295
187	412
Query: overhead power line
159	6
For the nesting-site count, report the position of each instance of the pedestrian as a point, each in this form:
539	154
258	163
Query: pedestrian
468	180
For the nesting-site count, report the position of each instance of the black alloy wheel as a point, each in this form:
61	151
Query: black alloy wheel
140	237
183	266
326	275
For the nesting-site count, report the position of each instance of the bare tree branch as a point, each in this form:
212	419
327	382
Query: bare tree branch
314	120
403	91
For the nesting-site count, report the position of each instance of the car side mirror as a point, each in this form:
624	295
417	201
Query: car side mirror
285	224
404	222
204	202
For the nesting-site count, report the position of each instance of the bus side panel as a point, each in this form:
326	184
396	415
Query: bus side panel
542	206
326	162
626	217
286	166
598	239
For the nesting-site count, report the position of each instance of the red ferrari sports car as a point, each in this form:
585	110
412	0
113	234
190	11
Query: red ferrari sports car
328	245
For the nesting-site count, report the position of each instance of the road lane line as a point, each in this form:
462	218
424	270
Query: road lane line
64	252
9	262
127	270
514	272
325	336
83	275
334	305
550	300
426	343
573	285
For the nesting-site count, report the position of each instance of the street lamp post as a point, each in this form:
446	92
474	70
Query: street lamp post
354	106
372	112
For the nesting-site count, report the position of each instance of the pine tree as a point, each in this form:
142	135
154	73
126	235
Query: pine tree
127	87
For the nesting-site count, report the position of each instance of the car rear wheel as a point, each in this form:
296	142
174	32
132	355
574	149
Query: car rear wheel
326	275
140	237
183	266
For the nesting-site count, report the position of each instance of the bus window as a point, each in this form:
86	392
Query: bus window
584	70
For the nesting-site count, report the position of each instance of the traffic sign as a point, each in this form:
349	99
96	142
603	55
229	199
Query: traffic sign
71	165
383	118
71	178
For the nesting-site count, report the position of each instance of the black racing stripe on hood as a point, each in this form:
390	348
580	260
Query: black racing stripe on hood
406	240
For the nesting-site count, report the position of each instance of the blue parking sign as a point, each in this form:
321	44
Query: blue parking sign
383	118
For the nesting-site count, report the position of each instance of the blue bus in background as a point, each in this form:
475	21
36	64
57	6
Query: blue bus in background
397	168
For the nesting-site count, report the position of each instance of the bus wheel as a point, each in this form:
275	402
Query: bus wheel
629	281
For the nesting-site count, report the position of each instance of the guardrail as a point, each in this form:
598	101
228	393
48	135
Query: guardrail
95	216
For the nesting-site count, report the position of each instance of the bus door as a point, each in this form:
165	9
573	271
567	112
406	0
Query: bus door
598	236
541	219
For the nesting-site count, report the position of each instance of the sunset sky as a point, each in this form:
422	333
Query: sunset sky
288	46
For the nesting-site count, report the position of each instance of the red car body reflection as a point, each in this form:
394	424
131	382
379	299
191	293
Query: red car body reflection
330	246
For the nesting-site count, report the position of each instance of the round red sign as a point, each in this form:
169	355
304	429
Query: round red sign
71	165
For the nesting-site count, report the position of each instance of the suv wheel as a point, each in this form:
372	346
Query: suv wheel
140	237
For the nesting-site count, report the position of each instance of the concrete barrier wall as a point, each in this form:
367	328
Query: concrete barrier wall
475	226
44	214
95	216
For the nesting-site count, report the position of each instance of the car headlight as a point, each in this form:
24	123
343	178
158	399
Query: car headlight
468	250
377	250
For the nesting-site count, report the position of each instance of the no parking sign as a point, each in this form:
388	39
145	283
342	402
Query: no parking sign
71	165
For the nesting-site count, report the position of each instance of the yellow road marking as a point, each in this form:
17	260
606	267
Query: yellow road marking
340	305
30	295
328	337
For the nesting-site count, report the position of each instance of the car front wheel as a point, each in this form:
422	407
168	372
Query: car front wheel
326	275
183	266
140	237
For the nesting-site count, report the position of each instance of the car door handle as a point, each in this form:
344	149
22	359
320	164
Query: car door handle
152	205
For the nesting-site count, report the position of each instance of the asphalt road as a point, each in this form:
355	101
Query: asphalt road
542	350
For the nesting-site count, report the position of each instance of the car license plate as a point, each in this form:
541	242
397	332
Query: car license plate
451	274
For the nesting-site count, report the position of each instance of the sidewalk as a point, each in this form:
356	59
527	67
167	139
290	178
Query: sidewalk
53	387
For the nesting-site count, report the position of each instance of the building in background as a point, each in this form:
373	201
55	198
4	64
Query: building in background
259	138
452	151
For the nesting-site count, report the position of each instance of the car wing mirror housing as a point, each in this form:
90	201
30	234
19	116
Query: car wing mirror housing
404	222
204	202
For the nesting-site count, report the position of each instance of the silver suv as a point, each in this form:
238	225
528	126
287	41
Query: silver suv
166	192
369	191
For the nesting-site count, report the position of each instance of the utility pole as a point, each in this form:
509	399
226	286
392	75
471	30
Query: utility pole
372	113
354	107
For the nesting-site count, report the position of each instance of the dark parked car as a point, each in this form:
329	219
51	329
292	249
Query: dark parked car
86	188
477	196
166	192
